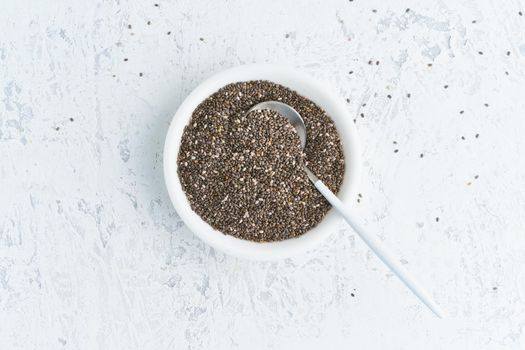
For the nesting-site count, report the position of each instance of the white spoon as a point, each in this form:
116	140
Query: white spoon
372	241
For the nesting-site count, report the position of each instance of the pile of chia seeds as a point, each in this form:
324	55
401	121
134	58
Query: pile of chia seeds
243	173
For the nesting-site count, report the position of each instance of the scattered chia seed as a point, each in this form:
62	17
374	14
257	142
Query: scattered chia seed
421	155
374	10
477	135
445	87
125	59
362	115
463	137
377	63
140	74
351	72
129	26
149	22
476	177
480	52
437	219
396	150
201	39
508	53
407	10
71	119
520	13
57	128
243	174
389	96
408	95
506	73
168	33
352	294
430	64
486	104
156	5
370	62
474	21
461	112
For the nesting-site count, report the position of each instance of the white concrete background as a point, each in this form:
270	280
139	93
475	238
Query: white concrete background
93	256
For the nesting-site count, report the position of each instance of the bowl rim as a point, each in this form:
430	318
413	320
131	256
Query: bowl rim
304	85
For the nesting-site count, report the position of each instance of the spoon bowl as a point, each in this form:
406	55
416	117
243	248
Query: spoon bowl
287	112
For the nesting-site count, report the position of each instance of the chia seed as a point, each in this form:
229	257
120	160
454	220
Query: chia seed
243	174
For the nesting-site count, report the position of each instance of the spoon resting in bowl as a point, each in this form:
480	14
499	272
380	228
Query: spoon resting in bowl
372	241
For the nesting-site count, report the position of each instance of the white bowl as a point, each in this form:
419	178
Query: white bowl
305	86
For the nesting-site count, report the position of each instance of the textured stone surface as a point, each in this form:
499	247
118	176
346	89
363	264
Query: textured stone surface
93	256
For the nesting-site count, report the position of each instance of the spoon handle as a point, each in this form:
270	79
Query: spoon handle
376	246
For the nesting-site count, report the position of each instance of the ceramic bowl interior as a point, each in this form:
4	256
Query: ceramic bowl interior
304	85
